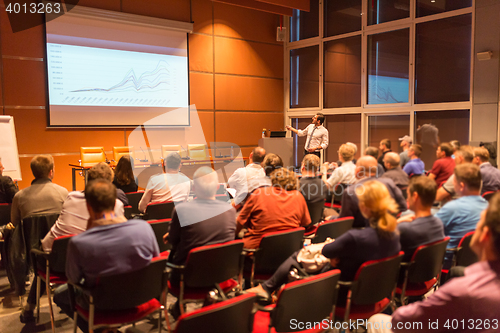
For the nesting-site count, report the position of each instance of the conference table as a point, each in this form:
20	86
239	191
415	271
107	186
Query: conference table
143	170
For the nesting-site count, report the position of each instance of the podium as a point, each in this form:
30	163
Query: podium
279	146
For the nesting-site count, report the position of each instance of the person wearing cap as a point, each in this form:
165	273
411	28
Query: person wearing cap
406	142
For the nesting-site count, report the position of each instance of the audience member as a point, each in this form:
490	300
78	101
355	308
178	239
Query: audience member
415	166
489	174
444	165
72	221
274	208
172	185
111	245
124	175
447	192
43	196
455	144
241	179
365	171
492	150
353	145
468	303
384	148
7	187
312	188
344	174
394	171
423	228
406	142
373	151
461	215
107	173
349	251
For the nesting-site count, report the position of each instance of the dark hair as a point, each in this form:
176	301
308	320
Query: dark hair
320	117
386	142
447	148
372	151
470	175
100	171
417	149
492	220
124	173
271	162
100	195
426	189
173	160
258	155
41	165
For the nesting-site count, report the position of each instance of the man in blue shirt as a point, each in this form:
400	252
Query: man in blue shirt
461	215
415	166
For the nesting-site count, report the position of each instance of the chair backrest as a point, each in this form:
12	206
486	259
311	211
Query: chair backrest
376	280
275	248
167	149
211	264
127	211
318	294
133	200
5	213
197	151
315	210
160	228
35	228
233	315
338	191
118	152
159	210
465	255
488	195
403	189
427	261
127	290
57	257
333	229
90	156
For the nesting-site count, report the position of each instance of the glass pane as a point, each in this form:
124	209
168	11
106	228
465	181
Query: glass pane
429	7
342	17
388	127
342	86
434	127
305	24
443	55
342	129
380	11
304	77
388	69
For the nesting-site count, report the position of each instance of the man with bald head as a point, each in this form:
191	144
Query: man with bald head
366	169
394	171
242	180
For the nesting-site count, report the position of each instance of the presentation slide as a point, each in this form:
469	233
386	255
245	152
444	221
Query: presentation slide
112	73
387	90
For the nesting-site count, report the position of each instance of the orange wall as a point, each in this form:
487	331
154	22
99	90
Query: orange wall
235	71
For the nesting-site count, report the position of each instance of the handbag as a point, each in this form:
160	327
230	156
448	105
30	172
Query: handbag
310	257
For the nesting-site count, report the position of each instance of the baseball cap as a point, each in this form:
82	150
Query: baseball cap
407	139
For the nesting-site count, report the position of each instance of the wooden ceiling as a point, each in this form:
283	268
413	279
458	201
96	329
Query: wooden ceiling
280	7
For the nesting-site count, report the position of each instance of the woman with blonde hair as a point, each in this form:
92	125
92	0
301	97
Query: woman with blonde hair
349	251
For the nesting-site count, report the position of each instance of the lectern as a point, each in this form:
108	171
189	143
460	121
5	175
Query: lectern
279	146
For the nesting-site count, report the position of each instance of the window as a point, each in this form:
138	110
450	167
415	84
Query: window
304	78
342	128
305	25
342	73
342	17
429	7
388	69
380	11
388	127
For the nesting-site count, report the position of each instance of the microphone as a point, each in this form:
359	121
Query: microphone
105	156
187	154
145	157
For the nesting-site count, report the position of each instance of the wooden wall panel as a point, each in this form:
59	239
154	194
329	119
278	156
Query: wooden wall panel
245	128
24	82
239	22
108	4
201	53
201	90
202	16
248	58
27	43
177	10
246	93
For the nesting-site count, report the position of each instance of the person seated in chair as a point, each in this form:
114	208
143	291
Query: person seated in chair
394	171
349	251
7	187
72	221
312	188
415	166
172	185
344	174
243	177
275	208
124	175
489	174
111	245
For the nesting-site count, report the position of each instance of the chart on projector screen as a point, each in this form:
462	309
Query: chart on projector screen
89	76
